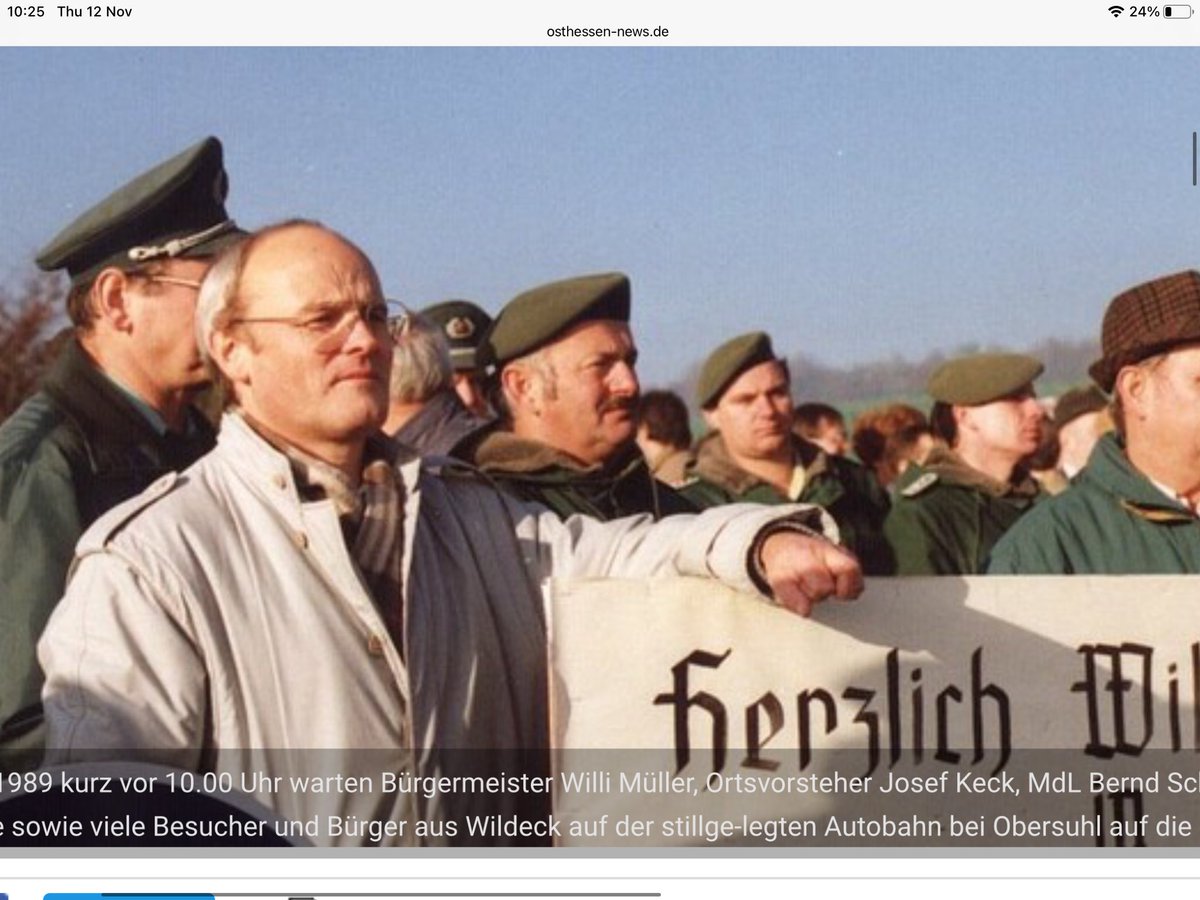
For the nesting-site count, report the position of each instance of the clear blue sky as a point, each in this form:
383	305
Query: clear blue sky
856	203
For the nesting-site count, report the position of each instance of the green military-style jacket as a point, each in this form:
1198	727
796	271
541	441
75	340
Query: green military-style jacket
946	516
844	488
71	452
1111	521
537	472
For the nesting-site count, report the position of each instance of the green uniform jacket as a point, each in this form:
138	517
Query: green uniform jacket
847	490
69	453
531	470
1110	521
946	516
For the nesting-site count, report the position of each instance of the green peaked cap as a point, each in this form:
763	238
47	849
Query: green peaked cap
176	209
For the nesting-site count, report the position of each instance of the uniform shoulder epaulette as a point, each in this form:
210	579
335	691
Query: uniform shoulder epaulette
922	484
450	467
105	528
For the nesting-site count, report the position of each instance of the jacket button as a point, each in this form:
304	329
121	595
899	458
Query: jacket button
279	481
300	539
375	645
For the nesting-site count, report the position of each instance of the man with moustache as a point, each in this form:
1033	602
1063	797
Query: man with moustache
752	455
114	412
949	512
566	390
308	585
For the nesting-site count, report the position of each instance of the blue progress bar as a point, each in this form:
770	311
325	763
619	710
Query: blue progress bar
125	897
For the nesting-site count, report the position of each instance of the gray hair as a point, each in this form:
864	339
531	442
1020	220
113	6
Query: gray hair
539	361
421	365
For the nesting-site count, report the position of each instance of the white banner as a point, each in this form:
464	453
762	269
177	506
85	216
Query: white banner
932	711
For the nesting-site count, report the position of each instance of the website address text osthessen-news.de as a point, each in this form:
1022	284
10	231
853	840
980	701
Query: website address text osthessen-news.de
570	31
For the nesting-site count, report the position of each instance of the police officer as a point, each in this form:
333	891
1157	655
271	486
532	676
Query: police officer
114	412
948	513
752	454
567	393
465	326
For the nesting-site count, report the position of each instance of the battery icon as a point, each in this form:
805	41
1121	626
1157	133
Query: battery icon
1177	11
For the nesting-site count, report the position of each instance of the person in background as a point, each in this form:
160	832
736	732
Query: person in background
465	327
425	411
752	455
948	513
1133	508
1081	417
665	435
821	424
115	412
888	439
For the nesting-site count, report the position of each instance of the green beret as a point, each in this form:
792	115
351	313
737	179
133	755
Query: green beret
982	377
729	361
1078	402
465	325
177	209
536	317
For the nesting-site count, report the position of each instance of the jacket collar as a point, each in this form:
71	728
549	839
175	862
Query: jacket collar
713	462
442	420
271	471
501	452
94	401
1108	469
952	469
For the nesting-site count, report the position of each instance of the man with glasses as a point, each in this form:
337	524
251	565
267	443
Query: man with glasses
114	412
308	585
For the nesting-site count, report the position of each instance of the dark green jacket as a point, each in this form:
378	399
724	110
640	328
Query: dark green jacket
69	453
1110	521
946	516
844	488
537	472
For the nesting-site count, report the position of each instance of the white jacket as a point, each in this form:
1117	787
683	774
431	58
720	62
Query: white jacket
218	623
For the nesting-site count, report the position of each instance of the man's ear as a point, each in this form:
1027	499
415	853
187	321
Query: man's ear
110	300
962	417
230	355
710	418
518	382
1130	385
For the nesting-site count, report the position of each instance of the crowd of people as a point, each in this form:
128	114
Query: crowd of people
352	556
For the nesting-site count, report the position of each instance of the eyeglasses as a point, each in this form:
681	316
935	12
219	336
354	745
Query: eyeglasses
170	279
330	327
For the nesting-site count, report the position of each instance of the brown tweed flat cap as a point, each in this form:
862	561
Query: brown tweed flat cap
1146	320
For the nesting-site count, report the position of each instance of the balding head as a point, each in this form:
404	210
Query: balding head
295	321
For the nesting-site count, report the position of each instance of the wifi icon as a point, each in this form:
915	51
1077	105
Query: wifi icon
1116	10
